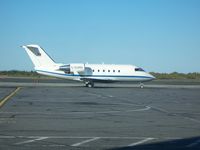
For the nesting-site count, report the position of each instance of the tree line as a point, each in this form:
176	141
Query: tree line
16	73
176	75
173	75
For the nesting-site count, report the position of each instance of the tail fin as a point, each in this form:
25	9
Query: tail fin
39	57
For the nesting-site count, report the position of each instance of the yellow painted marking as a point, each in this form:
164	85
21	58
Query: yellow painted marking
3	101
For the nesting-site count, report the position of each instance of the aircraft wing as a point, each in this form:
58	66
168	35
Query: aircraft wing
97	79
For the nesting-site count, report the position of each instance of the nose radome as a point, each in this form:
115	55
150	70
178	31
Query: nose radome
151	76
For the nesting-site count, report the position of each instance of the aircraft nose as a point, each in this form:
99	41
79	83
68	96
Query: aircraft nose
151	77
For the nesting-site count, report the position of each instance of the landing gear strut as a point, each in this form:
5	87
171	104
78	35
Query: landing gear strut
89	84
141	85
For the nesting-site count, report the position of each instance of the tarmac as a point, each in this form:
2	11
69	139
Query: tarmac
65	115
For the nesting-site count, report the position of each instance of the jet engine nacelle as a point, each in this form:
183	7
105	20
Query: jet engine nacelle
77	67
73	68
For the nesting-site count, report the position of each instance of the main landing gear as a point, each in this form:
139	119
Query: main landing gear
89	84
141	85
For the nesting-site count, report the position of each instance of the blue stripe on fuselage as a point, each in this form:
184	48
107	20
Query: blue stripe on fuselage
77	75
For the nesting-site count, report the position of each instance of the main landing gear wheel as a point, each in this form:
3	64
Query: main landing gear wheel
141	85
89	84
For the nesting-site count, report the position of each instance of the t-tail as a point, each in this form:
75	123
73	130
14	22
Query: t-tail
39	57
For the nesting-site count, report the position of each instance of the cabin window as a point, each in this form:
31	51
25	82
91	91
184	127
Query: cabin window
108	70
93	70
118	70
98	70
103	70
113	70
139	69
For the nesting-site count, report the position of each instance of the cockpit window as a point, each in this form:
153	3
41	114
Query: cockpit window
139	69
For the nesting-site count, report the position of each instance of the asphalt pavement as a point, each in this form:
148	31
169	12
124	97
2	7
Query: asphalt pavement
105	117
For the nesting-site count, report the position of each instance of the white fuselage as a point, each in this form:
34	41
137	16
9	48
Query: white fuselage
101	73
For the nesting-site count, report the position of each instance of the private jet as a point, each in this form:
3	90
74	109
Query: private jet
87	73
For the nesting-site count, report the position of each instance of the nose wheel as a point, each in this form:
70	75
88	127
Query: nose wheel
89	84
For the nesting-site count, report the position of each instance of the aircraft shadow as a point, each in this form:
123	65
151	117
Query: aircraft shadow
192	143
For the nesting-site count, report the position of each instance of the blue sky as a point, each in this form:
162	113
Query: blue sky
158	35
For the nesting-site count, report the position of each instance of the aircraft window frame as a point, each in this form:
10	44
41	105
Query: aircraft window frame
103	70
108	70
93	70
119	71
139	69
98	70
113	70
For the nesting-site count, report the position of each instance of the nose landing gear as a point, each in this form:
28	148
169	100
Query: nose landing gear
89	84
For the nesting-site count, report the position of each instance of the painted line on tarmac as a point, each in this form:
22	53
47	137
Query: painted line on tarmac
30	141
79	137
85	141
53	145
192	119
175	114
88	139
79	112
5	99
142	109
141	141
85	137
